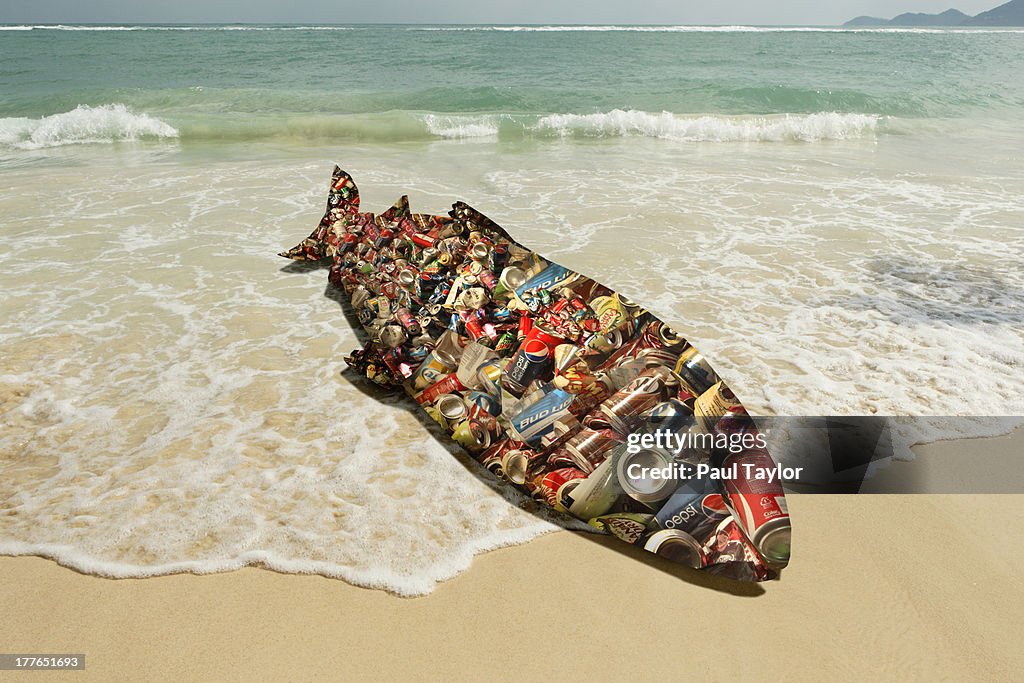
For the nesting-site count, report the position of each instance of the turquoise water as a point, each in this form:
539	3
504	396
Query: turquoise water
381	83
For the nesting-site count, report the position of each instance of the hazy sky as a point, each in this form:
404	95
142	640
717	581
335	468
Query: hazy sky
470	11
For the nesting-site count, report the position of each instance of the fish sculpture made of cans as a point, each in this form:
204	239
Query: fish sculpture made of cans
553	382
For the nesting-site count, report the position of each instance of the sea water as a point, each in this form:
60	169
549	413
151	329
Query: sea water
834	217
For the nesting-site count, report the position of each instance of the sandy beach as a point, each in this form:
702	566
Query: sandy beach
902	587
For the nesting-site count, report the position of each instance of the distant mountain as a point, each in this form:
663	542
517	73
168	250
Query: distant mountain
951	17
867	21
1010	14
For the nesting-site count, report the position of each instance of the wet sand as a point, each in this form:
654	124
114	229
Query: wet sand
898	586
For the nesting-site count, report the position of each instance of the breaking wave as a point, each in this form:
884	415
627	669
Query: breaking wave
117	122
84	124
805	128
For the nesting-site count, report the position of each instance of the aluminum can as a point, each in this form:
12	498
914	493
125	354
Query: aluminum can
760	506
694	372
531	362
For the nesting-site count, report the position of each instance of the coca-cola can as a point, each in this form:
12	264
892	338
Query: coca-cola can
549	484
759	504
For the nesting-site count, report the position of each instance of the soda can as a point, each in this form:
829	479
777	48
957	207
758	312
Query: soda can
626	526
498	257
544	333
479	251
759	504
678	546
472	436
639	396
531	362
436	416
505	344
610	313
696	507
694	372
408	321
550	484
525	325
590	447
638	475
445	385
515	465
408	277
484	401
487	279
597	494
489	376
423	240
451	407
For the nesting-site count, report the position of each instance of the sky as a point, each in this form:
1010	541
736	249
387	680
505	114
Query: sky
806	12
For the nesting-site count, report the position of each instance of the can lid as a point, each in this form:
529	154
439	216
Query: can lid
514	465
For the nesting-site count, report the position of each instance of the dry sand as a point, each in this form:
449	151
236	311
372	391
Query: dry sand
898	586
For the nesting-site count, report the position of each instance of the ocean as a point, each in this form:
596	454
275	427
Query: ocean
834	217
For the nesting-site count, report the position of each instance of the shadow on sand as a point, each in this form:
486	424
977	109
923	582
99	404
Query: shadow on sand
508	492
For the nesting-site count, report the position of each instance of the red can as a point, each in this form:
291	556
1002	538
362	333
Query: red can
551	483
759	504
445	385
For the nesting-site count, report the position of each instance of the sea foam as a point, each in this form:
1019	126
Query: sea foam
666	125
84	124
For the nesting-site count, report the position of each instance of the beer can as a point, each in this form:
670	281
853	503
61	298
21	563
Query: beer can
437	365
694	372
714	404
534	421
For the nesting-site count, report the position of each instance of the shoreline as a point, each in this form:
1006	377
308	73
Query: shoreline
873	579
